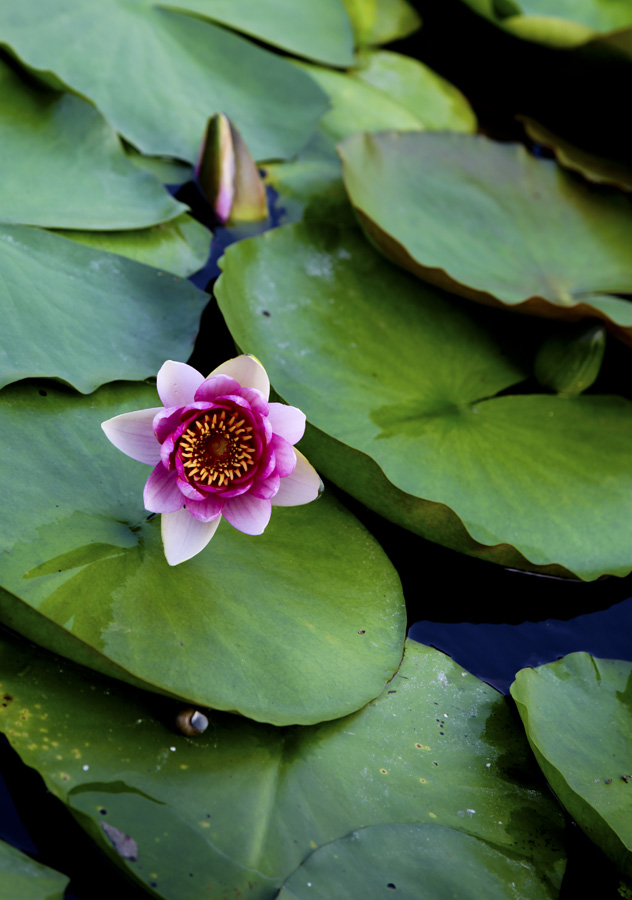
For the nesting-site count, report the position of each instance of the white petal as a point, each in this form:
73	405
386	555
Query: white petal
177	383
183	536
248	371
302	486
287	421
133	433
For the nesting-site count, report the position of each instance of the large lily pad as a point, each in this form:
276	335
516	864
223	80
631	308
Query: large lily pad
301	624
87	317
420	371
23	878
63	166
165	73
576	713
180	246
488	221
319	31
238	808
372	861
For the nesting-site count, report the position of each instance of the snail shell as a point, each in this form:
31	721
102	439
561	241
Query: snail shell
191	721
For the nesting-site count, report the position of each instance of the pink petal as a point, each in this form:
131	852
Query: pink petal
206	509
183	536
247	513
266	488
132	433
248	371
188	490
287	421
162	494
302	486
216	386
284	455
177	383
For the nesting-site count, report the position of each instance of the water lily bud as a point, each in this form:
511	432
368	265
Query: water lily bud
227	174
570	362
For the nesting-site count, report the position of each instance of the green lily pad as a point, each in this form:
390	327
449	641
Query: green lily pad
484	220
561	23
381	21
301	624
372	861
23	878
165	73
576	713
180	246
418	413
239	807
63	166
599	169
386	90
319	31
594	14
438	105
87	317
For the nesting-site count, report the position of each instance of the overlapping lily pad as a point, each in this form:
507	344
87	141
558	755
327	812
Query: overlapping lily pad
319	31
398	379
301	624
241	806
165	73
62	165
576	713
600	169
87	317
180	246
484	219
403	858
384	90
22	878
562	23
381	21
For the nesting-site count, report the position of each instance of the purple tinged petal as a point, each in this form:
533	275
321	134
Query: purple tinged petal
287	421
248	371
266	488
162	494
177	383
187	489
284	455
257	401
183	536
302	486
247	513
132	433
217	386
167	421
206	510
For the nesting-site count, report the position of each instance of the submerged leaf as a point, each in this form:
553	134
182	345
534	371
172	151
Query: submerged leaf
238	808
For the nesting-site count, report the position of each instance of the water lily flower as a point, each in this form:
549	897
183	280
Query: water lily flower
218	448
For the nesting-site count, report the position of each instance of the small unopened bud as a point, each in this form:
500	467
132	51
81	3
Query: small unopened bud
227	174
569	363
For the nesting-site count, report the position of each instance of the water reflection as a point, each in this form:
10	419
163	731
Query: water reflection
495	652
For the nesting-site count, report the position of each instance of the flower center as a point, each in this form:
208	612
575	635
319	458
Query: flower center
217	448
